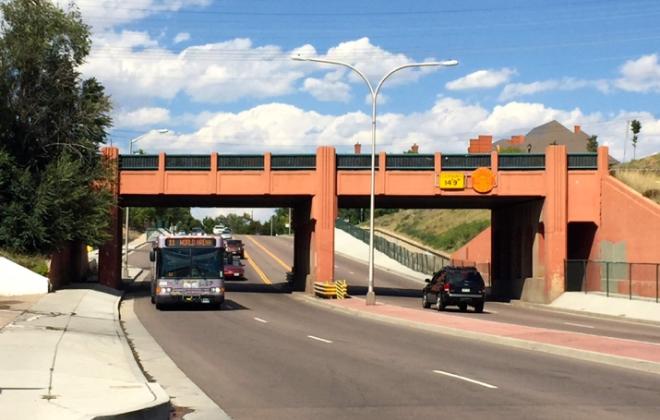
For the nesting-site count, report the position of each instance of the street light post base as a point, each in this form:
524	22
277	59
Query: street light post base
371	298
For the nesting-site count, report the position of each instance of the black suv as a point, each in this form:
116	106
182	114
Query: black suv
460	286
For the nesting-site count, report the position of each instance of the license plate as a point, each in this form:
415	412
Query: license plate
464	290
206	300
236	274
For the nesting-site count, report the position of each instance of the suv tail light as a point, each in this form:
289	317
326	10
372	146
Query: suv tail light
446	287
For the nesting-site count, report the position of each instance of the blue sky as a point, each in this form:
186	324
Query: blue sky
217	74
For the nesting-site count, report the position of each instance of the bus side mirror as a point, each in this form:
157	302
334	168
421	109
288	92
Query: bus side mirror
152	255
427	280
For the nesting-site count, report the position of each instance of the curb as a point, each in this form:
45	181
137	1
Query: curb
585	355
159	407
155	362
586	314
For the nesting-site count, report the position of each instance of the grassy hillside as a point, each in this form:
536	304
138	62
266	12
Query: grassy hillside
642	175
443	229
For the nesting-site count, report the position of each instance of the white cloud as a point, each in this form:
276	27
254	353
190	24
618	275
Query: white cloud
105	14
181	37
515	90
141	117
132	65
445	127
482	79
328	89
641	75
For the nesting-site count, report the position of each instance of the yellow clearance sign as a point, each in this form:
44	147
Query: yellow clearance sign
452	180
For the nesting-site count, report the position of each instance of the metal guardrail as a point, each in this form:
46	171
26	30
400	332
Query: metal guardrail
421	262
355	162
465	162
582	161
519	161
632	280
240	162
292	162
410	162
138	162
188	162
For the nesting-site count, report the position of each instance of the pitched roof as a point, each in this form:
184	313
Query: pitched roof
551	132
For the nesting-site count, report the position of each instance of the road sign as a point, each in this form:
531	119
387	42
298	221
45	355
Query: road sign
483	180
452	180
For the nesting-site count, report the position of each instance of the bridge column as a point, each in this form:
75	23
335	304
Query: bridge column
324	214
110	252
555	220
302	239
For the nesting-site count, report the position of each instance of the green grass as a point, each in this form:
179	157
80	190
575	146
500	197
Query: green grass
444	230
34	262
642	175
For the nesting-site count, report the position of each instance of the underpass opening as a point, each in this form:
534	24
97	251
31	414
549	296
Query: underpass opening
275	262
505	253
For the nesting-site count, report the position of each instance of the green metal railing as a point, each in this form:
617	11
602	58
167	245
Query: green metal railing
355	162
188	162
421	262
518	162
465	162
410	162
613	278
138	162
416	162
240	162
583	161
292	162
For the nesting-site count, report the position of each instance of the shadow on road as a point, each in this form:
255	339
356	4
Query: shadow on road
257	288
385	291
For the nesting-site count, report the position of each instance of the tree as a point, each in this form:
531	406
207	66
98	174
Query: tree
635	127
592	144
52	123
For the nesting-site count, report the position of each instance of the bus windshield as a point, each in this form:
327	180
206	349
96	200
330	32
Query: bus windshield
193	263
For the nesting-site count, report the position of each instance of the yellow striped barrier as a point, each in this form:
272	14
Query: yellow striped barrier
326	290
342	289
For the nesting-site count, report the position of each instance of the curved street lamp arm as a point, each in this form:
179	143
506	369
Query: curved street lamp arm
341	63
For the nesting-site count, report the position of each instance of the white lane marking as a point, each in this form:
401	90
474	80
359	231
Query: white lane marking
463	378
579	325
323	340
263	321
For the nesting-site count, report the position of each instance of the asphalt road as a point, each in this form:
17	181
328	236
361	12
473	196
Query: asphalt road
268	355
399	290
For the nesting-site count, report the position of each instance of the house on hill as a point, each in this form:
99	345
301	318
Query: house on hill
536	140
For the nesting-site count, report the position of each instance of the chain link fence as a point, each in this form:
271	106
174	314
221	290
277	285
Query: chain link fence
426	263
621	279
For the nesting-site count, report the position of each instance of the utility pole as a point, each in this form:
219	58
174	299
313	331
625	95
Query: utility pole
271	225
625	144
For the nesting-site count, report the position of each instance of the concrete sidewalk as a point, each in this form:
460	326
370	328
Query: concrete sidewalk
67	358
612	351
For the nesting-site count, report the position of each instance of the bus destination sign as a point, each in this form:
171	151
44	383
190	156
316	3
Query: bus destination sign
189	242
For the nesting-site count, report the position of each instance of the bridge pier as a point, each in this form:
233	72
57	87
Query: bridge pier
324	214
109	267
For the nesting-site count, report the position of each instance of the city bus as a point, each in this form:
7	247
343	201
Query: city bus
187	269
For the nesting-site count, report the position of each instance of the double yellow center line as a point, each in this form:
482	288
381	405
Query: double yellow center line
259	271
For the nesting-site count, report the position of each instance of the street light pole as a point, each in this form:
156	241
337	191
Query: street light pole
126	209
371	296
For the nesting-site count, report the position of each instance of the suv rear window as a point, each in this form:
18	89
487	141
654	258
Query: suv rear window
233	242
461	277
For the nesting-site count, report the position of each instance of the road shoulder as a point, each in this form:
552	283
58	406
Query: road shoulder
158	365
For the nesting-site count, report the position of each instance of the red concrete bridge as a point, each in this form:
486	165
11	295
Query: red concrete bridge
545	207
